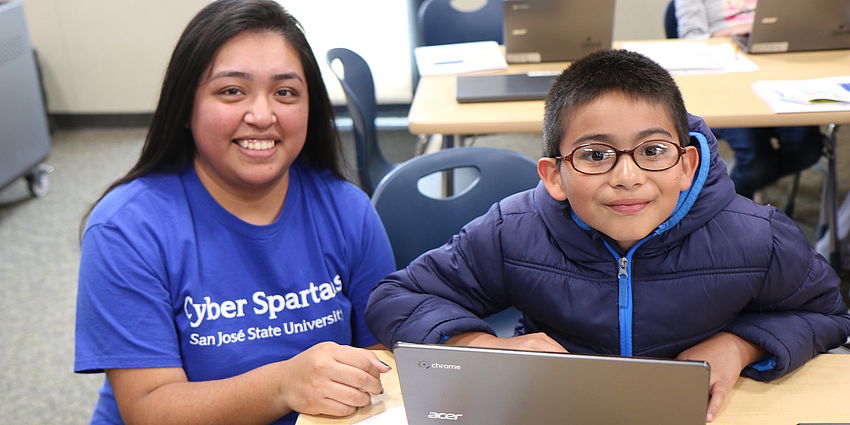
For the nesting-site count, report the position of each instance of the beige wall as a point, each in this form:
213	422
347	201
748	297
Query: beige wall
105	56
108	56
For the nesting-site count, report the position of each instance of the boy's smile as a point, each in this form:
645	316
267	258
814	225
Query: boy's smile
627	202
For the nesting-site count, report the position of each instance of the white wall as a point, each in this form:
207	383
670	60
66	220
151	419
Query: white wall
109	56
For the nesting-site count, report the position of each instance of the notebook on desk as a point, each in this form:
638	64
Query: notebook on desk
791	26
556	30
505	87
481	386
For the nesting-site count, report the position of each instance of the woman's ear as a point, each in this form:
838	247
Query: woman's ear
690	164
549	173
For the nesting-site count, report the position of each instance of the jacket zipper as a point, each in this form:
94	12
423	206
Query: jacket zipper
624	306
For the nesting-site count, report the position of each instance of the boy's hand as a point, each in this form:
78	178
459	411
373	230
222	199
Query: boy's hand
530	342
728	355
331	379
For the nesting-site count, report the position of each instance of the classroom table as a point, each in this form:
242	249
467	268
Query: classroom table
721	99
817	392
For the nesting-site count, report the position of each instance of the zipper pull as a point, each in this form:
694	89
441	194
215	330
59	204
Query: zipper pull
624	264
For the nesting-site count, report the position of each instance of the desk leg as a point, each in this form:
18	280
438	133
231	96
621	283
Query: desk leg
830	195
448	175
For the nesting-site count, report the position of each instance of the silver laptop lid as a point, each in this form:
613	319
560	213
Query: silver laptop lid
556	30
792	26
481	386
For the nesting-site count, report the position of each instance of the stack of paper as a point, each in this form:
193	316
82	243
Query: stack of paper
693	57
459	58
816	95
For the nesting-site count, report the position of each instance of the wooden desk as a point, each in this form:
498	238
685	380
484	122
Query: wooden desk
722	100
818	392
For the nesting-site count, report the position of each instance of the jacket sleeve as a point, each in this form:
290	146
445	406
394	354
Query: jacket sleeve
445	291
799	311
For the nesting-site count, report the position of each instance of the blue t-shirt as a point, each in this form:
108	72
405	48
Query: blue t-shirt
169	278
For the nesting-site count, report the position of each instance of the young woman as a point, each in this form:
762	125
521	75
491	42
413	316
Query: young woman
224	278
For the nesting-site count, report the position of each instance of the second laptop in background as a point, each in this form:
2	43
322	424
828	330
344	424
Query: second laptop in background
556	30
794	26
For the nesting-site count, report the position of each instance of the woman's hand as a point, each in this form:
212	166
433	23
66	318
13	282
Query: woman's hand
728	354
530	342
331	379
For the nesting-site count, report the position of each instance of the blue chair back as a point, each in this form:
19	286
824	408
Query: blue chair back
359	87
671	24
417	223
440	23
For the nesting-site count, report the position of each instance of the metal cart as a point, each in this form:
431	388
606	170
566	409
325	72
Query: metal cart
24	133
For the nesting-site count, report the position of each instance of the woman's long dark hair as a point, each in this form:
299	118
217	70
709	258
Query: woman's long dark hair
169	145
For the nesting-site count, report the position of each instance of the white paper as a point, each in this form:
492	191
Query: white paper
459	58
693	57
815	95
391	416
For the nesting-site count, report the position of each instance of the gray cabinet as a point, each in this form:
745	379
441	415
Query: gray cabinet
24	134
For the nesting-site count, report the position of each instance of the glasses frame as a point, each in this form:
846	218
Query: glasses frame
631	152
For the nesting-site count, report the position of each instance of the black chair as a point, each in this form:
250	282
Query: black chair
440	23
417	222
359	87
671	24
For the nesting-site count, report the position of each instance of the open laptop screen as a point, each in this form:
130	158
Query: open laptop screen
556	30
791	26
482	386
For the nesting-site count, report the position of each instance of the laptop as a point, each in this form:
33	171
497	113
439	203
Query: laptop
483	386
794	26
556	30
505	87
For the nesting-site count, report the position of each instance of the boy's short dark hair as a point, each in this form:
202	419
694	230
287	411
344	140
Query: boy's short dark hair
604	71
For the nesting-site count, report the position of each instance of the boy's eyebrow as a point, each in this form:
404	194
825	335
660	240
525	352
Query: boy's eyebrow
606	138
600	137
653	131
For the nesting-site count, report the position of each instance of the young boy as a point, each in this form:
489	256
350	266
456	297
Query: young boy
634	243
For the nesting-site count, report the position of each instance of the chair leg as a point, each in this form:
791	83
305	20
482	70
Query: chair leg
795	186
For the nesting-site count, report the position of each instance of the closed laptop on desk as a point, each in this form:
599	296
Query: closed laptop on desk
794	26
506	87
480	386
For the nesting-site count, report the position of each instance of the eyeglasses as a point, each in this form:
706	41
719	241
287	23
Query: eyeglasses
599	158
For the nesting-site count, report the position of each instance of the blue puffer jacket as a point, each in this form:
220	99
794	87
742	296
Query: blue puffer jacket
720	262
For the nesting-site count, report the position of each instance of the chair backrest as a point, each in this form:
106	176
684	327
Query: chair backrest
359	87
417	223
671	24
440	23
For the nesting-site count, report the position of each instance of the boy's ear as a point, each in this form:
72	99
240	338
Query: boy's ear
690	164
547	168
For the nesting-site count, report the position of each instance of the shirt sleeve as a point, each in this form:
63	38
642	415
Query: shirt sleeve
371	261
799	311
692	19
124	317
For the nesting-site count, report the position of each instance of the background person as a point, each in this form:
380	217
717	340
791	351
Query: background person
758	163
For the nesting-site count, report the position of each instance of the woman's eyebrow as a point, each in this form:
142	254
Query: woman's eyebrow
232	74
287	76
249	77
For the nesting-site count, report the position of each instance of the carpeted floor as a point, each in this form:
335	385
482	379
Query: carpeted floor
39	254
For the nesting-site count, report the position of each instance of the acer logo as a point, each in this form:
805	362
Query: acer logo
444	415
